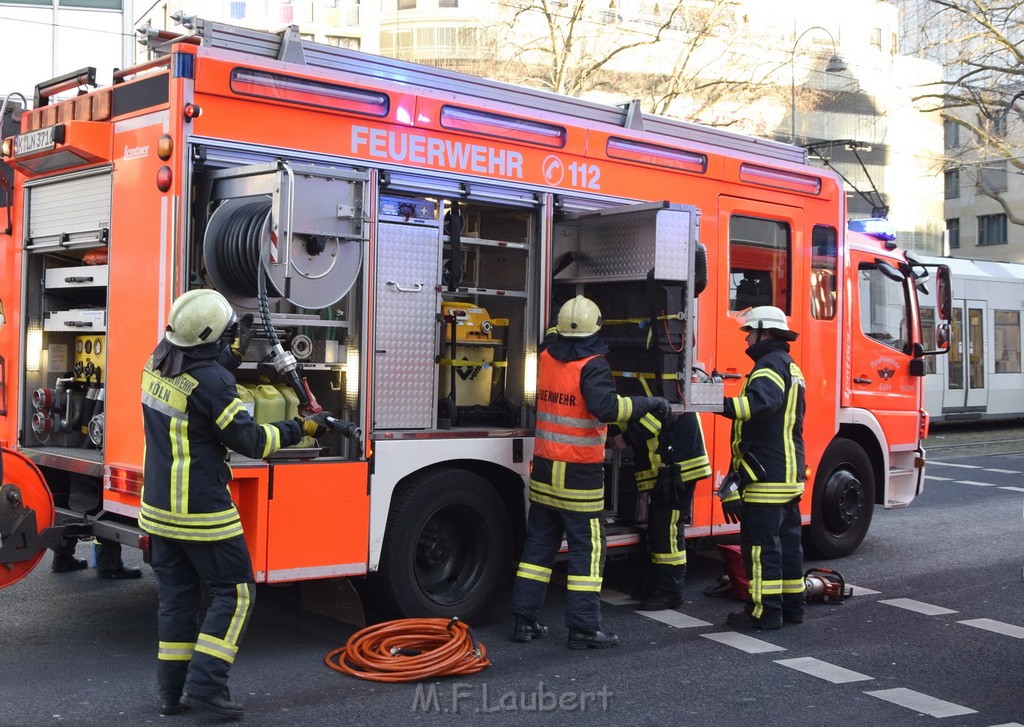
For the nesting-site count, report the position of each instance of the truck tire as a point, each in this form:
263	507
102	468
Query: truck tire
447	548
843	501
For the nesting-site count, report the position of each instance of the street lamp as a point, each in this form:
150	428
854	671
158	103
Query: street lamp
835	65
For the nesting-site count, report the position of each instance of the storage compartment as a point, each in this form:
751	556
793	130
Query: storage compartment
81	276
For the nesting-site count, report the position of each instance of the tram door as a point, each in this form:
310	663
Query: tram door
967	385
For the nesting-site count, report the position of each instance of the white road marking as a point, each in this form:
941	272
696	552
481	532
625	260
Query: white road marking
1014	489
955	464
742	642
1009	724
921	702
976	484
1004	472
938	479
860	590
823	670
998	627
615	598
911	605
674	618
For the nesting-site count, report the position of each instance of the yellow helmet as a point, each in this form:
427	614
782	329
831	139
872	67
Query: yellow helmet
198	317
579	318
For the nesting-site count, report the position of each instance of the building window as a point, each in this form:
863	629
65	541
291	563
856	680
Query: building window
992	177
1007	348
952	183
237	10
876	38
992	229
953	232
759	263
406	4
341	41
447	3
951	133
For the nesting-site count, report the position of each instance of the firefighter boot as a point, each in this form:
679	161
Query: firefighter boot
64	563
591	639
527	629
661	600
218	703
122	573
171	705
746	621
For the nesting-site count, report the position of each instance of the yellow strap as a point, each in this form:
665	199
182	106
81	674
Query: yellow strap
645	375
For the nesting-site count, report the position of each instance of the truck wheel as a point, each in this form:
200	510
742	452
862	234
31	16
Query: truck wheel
447	547
843	501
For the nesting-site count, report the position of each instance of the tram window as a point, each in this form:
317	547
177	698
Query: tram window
759	263
928	338
1007	341
883	308
824	262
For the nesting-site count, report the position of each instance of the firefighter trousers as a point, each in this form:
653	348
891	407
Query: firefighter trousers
666	537
194	658
774	559
586	538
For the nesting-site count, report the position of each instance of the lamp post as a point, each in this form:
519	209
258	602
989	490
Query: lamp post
835	65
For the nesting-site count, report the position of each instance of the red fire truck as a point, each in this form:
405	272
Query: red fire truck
402	235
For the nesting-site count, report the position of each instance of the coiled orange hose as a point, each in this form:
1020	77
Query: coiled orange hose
410	649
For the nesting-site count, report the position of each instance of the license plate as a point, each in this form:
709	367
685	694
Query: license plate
38	140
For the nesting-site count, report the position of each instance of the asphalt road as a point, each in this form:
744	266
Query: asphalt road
933	635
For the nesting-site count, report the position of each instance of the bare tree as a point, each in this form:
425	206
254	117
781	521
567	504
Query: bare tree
979	42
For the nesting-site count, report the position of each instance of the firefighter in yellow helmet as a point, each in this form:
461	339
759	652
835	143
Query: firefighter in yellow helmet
766	479
192	417
576	398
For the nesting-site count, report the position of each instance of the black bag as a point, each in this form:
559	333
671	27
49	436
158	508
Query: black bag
670	490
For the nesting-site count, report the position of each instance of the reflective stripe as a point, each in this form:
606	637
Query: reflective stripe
794	586
195	519
596	545
181	463
741	407
584	583
560	504
566	421
677	558
206	535
625	409
175	650
570	439
568	493
217	648
272	437
229	413
755	581
534	572
769	374
161	406
772	493
243	603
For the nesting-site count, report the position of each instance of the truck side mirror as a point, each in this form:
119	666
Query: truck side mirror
944	295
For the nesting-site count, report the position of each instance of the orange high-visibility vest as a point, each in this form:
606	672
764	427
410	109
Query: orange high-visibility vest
566	431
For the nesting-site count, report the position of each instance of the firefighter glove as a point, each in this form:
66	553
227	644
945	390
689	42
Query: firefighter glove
659	407
731	495
315	425
243	335
733	510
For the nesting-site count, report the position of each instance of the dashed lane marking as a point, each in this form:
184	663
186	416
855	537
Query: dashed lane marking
918	606
1003	472
938	479
860	590
743	642
921	702
998	627
615	598
675	619
1009	724
976	484
1014	489
956	464
824	670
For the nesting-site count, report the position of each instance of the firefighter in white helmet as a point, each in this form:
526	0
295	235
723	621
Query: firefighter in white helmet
192	416
766	480
576	398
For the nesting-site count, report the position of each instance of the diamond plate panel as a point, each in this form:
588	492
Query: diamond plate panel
408	270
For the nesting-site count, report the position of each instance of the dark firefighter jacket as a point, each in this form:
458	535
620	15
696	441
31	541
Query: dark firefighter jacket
576	397
767	432
192	416
682	444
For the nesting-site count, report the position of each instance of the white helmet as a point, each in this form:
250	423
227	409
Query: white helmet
766	317
579	318
198	317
